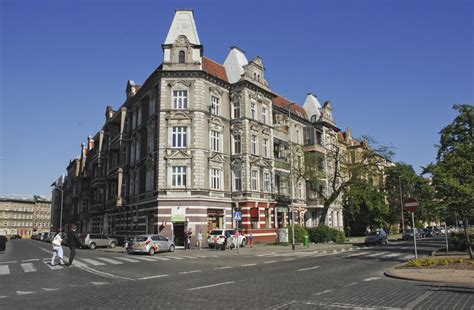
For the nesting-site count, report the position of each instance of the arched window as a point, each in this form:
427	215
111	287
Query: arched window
181	57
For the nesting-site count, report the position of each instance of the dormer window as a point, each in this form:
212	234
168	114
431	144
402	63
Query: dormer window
181	57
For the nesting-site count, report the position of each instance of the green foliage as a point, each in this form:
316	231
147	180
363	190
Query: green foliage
323	234
364	205
458	241
431	261
300	232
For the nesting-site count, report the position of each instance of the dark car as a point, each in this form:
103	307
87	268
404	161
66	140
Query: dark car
377	237
3	243
15	237
430	232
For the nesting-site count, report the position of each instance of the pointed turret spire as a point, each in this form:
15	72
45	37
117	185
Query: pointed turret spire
234	64
312	107
183	24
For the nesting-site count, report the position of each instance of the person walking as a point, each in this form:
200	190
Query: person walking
190	233
73	242
199	240
251	240
57	249
228	240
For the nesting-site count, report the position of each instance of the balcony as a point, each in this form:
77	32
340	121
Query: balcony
315	148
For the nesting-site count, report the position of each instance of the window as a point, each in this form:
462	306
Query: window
215	141
180	99
254	180
178	176
179	137
137	183
237	180
237	144
151	106
139	116
149	178
300	190
137	151
266	182
134	120
181	57
252	110
215	178
236	109
297	136
253	147
214	105
265	148
151	139
264	115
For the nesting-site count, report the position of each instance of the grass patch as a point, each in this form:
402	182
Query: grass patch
432	262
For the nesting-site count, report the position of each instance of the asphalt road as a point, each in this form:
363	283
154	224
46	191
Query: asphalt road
206	279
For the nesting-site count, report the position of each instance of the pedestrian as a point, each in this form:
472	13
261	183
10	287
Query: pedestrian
237	241
251	240
228	240
57	249
199	240
215	242
73	242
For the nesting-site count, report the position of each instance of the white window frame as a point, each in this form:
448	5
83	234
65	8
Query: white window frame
266	182
254	180
236	109
237	145
265	147
253	144
215	141
253	111
178	176
237	184
264	114
215	178
215	105
180	99
179	136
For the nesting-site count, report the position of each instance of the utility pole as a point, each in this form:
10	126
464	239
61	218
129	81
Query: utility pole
401	202
291	179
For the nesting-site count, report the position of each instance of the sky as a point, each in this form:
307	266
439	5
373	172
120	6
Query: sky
392	69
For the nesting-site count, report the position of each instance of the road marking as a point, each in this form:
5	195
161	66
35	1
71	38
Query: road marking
408	257
288	259
248	265
159	258
418	300
9	262
265	254
303	269
30	260
3	297
358	254
371	279
93	262
130	260
175	257
212	285
392	255
154	277
284	305
148	259
226	267
270	262
405	247
377	254
321	293
327	305
108	260
99	283
4	270
50	289
102	274
24	292
192	271
53	267
192	257
28	267
351	284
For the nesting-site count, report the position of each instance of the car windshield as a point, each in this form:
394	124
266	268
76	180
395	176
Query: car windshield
141	238
216	232
375	233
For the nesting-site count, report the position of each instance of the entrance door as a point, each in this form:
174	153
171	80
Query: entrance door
178	230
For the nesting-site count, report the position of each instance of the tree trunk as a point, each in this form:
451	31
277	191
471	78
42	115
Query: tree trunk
468	241
322	221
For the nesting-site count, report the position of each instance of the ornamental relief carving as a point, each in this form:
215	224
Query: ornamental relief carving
180	84
181	41
236	96
216	122
216	91
179	116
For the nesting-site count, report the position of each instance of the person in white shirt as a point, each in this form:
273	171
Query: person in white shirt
57	249
199	240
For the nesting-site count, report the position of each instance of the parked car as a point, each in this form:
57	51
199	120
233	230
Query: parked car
150	244
3	243
430	232
15	237
408	235
377	237
92	241
44	236
220	235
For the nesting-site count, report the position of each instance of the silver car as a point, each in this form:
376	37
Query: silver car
97	240
151	244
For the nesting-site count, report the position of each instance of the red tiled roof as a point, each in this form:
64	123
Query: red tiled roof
297	109
213	68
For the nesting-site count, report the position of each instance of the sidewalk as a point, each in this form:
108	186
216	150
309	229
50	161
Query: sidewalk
433	275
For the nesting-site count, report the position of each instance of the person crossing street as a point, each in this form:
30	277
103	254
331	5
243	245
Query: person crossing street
73	242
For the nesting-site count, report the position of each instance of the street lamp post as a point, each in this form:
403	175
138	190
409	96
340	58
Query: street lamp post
401	202
291	180
61	212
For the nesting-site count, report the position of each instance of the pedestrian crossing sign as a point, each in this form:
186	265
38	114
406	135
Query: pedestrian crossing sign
237	215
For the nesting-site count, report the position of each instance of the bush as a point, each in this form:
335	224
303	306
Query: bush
326	234
458	241
300	232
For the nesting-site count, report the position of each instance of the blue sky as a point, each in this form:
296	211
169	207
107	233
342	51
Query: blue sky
392	69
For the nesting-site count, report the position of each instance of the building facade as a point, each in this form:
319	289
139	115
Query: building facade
200	145
24	216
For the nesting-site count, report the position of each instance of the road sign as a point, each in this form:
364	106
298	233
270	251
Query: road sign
237	215
410	204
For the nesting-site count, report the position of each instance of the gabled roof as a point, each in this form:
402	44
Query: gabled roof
183	24
297	109
213	68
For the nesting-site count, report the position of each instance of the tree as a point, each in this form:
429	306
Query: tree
453	172
364	205
346	165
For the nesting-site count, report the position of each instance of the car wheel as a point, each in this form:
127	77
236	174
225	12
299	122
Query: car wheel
151	251
171	249
92	246
244	243
112	245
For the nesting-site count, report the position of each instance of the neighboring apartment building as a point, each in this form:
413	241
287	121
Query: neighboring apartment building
24	216
195	146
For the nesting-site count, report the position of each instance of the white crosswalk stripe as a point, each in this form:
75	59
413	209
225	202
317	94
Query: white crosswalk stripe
92	262
109	260
176	257
4	270
391	255
377	254
148	259
159	258
358	254
130	260
28	267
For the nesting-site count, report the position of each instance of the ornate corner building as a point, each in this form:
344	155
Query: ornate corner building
200	145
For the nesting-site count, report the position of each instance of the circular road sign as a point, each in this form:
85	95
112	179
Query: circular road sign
410	204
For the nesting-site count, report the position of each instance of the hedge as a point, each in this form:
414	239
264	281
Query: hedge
326	234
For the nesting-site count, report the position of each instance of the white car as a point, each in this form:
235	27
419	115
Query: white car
217	238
